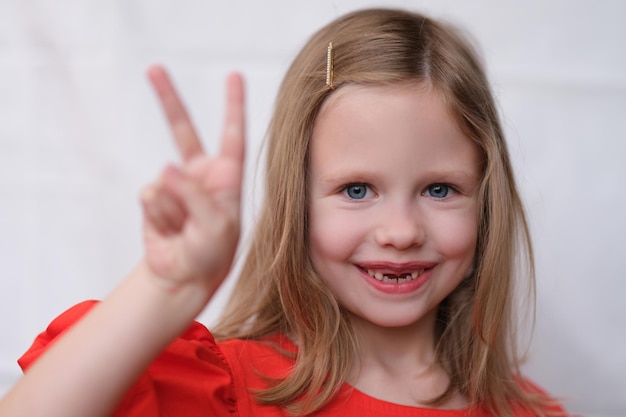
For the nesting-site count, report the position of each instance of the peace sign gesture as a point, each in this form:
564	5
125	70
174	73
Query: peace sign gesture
192	212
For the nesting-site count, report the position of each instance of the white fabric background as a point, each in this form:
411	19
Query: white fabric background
81	133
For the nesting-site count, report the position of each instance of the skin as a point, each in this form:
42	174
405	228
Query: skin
392	190
191	230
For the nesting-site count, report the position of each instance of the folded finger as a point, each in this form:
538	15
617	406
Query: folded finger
152	215
163	210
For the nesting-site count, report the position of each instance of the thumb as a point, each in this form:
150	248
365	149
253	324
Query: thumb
185	189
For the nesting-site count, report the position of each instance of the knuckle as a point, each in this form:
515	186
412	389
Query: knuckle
148	193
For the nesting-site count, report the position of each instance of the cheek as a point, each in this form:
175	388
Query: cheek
457	235
334	234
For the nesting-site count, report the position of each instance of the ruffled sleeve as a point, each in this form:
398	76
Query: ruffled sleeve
190	378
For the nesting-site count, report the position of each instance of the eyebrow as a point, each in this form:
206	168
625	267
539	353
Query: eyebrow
346	174
461	177
458	175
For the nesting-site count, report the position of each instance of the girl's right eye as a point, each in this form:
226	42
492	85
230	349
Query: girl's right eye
356	191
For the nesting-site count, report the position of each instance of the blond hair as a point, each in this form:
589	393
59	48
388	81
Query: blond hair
278	290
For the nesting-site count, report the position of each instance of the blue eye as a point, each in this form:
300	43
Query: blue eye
439	190
356	191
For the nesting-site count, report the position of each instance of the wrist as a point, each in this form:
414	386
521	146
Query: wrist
173	299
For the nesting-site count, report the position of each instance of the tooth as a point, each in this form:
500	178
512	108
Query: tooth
404	277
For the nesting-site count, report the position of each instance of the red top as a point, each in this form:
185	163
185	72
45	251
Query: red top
197	377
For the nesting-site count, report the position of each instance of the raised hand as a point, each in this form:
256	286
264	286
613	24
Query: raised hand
191	230
192	212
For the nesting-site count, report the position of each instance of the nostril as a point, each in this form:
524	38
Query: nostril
400	236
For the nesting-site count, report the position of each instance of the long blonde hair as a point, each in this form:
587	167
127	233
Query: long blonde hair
278	290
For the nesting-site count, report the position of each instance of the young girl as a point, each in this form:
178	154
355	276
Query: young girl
381	275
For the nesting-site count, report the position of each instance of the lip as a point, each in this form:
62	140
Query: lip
396	268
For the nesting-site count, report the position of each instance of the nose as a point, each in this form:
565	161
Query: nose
400	227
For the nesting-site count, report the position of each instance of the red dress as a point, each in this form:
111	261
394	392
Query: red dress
195	376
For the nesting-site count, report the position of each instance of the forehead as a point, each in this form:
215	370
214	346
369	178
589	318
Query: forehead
410	103
408	123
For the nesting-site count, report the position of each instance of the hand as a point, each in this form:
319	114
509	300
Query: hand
192	212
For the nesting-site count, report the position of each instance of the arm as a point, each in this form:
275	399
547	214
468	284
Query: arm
191	229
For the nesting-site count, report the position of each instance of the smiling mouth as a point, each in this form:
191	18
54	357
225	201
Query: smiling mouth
393	278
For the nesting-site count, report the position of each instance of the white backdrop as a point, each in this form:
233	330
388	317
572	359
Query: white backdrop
81	133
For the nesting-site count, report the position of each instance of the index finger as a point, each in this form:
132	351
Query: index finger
185	136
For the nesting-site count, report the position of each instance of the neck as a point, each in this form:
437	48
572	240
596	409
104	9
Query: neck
396	348
397	364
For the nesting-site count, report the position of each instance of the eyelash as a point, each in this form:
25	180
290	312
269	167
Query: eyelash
448	187
428	192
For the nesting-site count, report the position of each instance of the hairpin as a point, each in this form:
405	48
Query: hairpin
330	65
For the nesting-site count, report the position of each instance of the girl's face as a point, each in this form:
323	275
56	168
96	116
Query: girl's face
393	210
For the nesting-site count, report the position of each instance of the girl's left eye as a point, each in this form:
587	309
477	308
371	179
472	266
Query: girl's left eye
439	190
356	191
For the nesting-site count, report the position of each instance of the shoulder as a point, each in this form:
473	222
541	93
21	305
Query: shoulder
56	328
190	375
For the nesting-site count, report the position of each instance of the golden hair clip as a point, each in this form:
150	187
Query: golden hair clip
330	65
